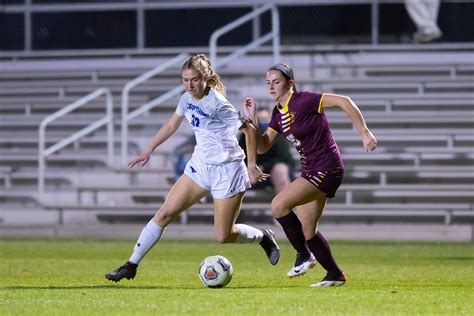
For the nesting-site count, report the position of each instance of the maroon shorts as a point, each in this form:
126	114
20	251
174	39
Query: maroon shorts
325	181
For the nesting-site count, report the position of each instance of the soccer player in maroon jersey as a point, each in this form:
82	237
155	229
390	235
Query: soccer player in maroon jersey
299	117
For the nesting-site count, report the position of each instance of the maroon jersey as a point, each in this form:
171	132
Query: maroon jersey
301	121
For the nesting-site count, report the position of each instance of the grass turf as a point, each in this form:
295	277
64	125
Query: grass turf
66	277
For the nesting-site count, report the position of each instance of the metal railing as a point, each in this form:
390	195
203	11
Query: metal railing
127	116
273	35
43	152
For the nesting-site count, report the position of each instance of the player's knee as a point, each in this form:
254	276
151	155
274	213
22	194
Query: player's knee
163	217
280	170
279	208
308	231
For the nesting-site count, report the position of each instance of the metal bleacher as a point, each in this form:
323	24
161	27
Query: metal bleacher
417	99
422	170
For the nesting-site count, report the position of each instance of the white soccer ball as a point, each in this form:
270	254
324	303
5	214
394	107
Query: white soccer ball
215	271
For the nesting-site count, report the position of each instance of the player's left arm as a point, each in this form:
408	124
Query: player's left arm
350	108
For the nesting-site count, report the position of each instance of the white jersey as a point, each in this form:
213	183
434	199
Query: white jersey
215	123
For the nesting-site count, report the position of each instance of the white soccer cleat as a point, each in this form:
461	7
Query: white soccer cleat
331	280
301	266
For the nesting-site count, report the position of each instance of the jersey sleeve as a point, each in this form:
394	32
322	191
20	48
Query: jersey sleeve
180	109
274	124
320	102
229	115
312	102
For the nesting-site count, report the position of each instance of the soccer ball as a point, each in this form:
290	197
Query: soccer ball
215	271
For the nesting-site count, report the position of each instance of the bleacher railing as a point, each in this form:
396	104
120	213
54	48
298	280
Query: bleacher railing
273	35
43	152
128	116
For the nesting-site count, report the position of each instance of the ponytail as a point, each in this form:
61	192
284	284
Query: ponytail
201	63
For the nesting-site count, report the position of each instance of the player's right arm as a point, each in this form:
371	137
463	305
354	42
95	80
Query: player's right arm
265	141
168	129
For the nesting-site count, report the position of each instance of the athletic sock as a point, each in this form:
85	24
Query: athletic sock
150	234
248	234
294	232
319	246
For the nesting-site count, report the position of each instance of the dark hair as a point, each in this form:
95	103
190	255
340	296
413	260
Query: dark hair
286	71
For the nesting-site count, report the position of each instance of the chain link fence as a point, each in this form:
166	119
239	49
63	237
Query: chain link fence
75	30
191	27
194	27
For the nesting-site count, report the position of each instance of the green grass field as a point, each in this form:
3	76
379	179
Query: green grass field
66	277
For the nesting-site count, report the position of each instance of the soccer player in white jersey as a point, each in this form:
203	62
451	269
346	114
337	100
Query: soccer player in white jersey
216	166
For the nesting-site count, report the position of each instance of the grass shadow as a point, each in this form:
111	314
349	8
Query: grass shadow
126	287
451	258
88	287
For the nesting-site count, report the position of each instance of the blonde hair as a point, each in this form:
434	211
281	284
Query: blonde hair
201	63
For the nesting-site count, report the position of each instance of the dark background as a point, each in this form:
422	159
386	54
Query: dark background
193	27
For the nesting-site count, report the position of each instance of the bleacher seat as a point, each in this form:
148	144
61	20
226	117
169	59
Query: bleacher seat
421	112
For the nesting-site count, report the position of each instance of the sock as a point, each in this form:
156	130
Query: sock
247	234
294	232
320	247
150	234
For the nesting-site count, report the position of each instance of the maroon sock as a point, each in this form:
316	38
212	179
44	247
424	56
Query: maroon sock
319	246
294	232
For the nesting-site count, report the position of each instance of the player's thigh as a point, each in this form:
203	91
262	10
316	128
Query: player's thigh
226	212
182	195
309	215
298	192
280	176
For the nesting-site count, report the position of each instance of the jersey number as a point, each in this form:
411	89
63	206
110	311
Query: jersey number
194	121
293	140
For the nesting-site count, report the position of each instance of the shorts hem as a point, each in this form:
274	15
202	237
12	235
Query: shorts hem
227	196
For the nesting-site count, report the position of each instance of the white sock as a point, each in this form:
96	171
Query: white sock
150	234
248	234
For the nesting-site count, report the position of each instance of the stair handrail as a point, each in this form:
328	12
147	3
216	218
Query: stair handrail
273	35
127	116
43	152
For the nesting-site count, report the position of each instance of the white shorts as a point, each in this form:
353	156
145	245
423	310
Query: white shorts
223	181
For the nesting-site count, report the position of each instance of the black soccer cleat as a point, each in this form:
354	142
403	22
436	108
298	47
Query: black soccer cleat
270	246
128	271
